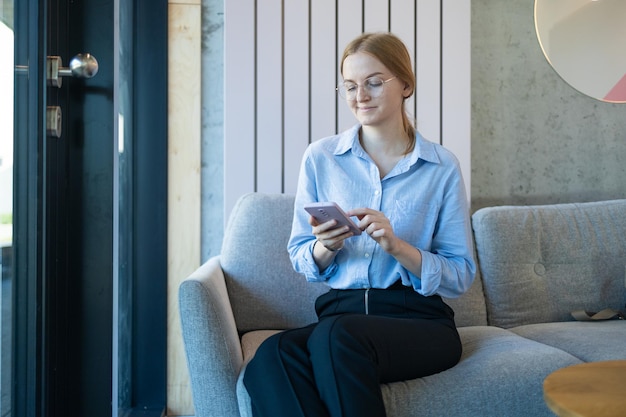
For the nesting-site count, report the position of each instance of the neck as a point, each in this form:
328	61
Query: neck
392	142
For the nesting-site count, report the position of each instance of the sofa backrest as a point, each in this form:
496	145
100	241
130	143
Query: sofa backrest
540	263
265	291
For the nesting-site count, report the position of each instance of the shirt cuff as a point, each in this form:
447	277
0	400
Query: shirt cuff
312	272
430	280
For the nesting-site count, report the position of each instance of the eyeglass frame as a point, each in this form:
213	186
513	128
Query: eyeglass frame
343	84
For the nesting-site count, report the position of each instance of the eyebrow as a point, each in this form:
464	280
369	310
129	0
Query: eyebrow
369	76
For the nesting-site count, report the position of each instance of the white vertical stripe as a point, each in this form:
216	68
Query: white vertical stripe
456	84
296	74
349	18
323	68
403	25
269	100
428	69
376	16
238	101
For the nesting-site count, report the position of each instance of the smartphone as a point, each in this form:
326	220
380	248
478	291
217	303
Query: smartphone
326	211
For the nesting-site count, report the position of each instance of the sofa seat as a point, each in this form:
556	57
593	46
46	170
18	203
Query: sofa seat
493	359
588	341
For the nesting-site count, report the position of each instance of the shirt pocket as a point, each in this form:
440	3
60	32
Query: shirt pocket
414	221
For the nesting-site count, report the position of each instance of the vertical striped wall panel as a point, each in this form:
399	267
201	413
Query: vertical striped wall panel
456	80
239	100
296	98
282	66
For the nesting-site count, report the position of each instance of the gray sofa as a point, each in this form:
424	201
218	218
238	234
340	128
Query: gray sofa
537	264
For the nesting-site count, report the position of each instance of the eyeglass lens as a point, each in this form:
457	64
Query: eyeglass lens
373	86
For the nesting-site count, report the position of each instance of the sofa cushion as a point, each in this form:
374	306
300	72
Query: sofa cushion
251	341
539	263
588	341
493	360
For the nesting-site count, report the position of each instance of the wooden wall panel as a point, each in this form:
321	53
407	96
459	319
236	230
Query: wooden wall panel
183	243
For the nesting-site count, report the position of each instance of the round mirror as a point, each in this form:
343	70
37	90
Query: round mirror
585	42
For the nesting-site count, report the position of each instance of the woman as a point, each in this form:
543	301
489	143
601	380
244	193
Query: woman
383	319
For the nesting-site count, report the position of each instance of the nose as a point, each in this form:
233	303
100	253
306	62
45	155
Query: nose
362	93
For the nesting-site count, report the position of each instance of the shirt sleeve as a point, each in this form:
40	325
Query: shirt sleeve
448	267
301	241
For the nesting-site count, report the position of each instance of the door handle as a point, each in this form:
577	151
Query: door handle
81	66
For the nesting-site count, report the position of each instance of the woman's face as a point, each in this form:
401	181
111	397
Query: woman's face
369	110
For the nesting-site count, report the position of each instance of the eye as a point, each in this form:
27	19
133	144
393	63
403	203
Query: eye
374	82
350	87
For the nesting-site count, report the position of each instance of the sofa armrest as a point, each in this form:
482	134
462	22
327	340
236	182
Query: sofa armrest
212	344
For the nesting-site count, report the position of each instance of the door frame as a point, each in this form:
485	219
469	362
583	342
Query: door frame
29	124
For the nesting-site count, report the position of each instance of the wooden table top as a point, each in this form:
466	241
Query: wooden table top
594	389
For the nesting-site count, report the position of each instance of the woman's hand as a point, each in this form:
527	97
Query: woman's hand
378	227
329	240
329	235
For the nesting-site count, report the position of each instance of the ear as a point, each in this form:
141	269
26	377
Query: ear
407	92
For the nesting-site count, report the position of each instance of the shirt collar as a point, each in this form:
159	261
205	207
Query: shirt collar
349	140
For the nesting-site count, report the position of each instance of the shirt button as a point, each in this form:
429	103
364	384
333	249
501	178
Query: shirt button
376	192
367	255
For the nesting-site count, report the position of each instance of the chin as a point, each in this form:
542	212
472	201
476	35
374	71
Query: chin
367	121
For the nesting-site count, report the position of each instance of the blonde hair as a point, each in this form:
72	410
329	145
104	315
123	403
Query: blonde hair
391	51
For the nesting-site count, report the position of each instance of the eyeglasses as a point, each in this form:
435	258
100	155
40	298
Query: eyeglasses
373	87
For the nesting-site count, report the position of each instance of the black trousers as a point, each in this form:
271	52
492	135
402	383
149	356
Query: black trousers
334	368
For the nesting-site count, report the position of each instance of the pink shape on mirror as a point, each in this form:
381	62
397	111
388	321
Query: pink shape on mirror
618	92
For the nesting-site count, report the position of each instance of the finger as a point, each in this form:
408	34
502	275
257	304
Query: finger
323	227
359	212
335	232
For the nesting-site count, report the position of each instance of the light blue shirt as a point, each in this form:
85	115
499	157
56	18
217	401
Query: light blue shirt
424	198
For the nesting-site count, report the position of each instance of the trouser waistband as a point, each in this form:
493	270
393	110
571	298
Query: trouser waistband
396	301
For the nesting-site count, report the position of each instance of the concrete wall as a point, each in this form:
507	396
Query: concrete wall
212	167
535	139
